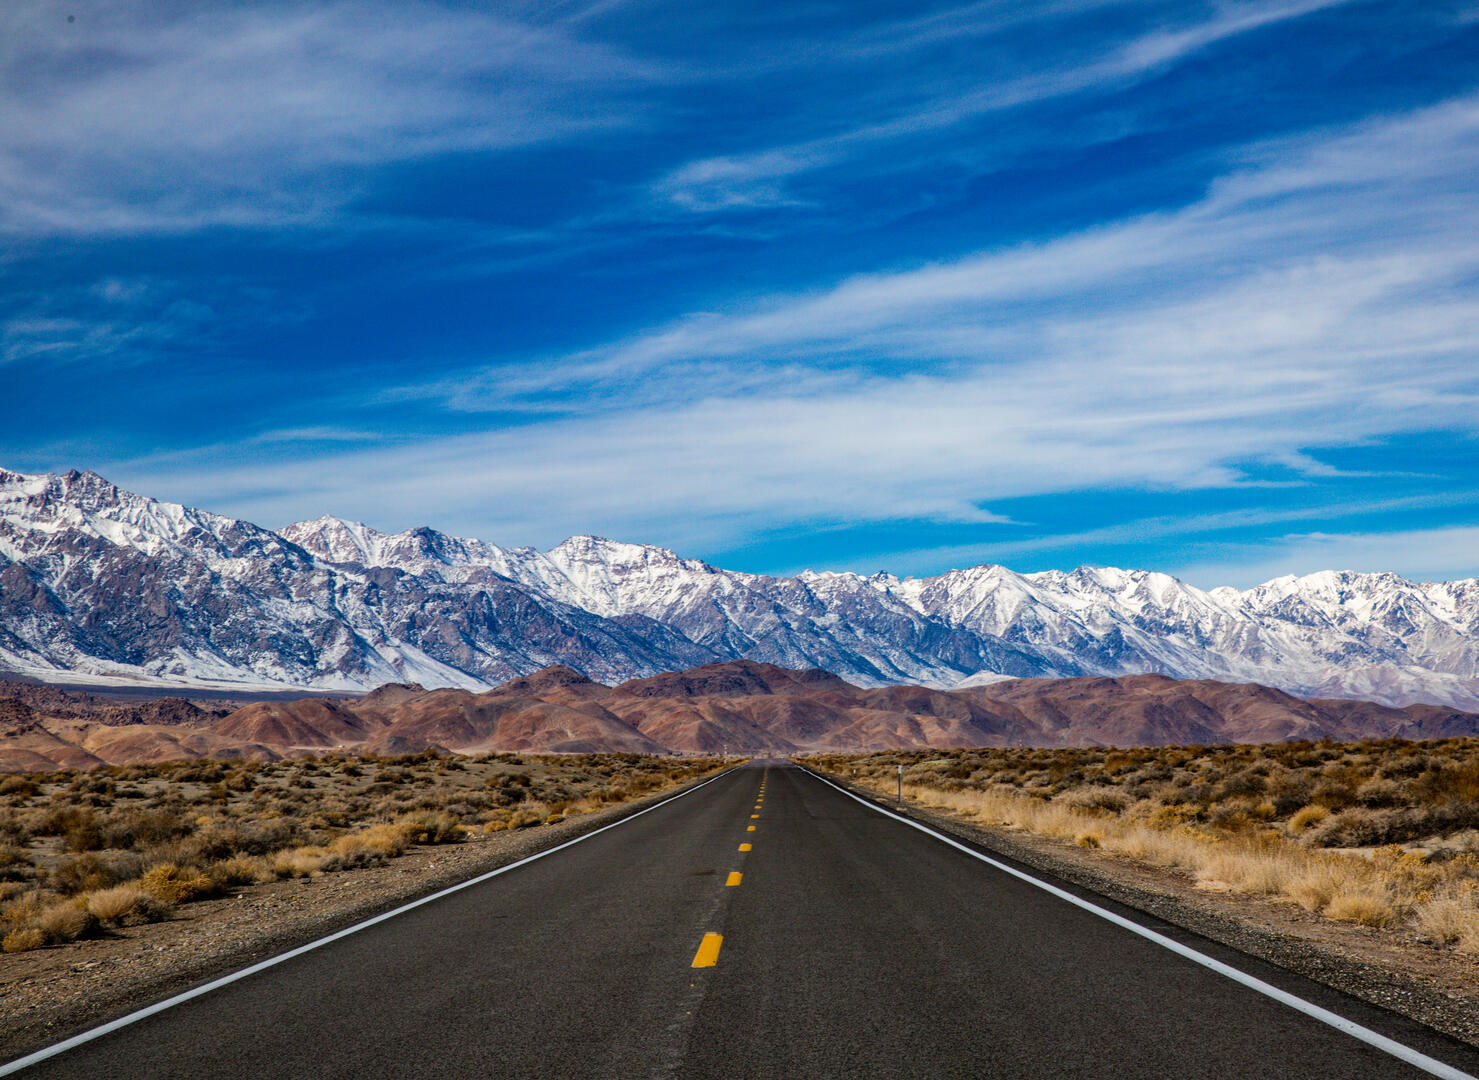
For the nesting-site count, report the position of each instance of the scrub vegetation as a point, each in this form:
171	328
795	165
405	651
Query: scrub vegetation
84	853
1383	833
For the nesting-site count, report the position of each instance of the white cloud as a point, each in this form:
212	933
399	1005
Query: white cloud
1441	554
140	118
760	178
1164	352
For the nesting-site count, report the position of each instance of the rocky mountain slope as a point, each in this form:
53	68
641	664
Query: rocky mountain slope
97	582
733	707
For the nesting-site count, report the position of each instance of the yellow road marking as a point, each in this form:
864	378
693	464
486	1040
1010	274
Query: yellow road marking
734	877
750	829
754	815
708	950
746	847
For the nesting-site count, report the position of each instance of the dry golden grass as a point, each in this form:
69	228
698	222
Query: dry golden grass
66	920
305	862
1382	833
124	904
173	885
1370	906
1451	918
80	850
23	940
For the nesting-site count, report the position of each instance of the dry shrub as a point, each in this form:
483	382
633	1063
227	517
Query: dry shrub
65	921
430	827
126	905
237	870
1451	918
1315	883
23	940
370	848
1245	868
304	862
174	885
1097	798
527	815
1088	839
20	787
1365	906
389	840
15	863
1309	816
95	870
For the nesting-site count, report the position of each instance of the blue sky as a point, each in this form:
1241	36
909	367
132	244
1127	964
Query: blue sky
1184	286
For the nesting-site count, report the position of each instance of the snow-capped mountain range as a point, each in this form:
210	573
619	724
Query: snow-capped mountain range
97	583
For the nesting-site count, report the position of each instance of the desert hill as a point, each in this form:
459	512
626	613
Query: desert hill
735	707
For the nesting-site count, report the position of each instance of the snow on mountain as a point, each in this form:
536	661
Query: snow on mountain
99	582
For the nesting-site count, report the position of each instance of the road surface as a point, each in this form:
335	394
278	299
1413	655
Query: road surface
765	924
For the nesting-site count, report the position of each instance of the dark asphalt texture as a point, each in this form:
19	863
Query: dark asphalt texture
854	946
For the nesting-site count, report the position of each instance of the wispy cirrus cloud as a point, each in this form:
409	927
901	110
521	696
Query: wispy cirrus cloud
500	274
1322	255
1096	361
170	117
760	178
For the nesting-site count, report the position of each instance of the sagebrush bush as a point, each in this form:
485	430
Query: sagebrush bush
95	870
304	862
65	921
432	828
1367	907
23	940
125	905
175	885
237	870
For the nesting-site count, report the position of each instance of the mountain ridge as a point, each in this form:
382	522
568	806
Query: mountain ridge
99	582
732	707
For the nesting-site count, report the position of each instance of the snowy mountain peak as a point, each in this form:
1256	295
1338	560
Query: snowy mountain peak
96	580
616	553
333	538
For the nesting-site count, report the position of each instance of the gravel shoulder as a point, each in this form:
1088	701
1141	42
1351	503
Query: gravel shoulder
51	994
1435	987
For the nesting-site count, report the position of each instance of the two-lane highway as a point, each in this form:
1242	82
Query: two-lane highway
765	924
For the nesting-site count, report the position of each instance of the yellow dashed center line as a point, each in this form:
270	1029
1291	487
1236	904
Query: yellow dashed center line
708	950
746	847
754	815
750	829
734	877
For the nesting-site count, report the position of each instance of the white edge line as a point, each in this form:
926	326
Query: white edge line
225	980
1325	1016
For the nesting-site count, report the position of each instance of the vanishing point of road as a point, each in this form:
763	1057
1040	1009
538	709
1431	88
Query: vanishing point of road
763	924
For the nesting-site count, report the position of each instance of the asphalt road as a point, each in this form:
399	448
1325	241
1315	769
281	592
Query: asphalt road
848	944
